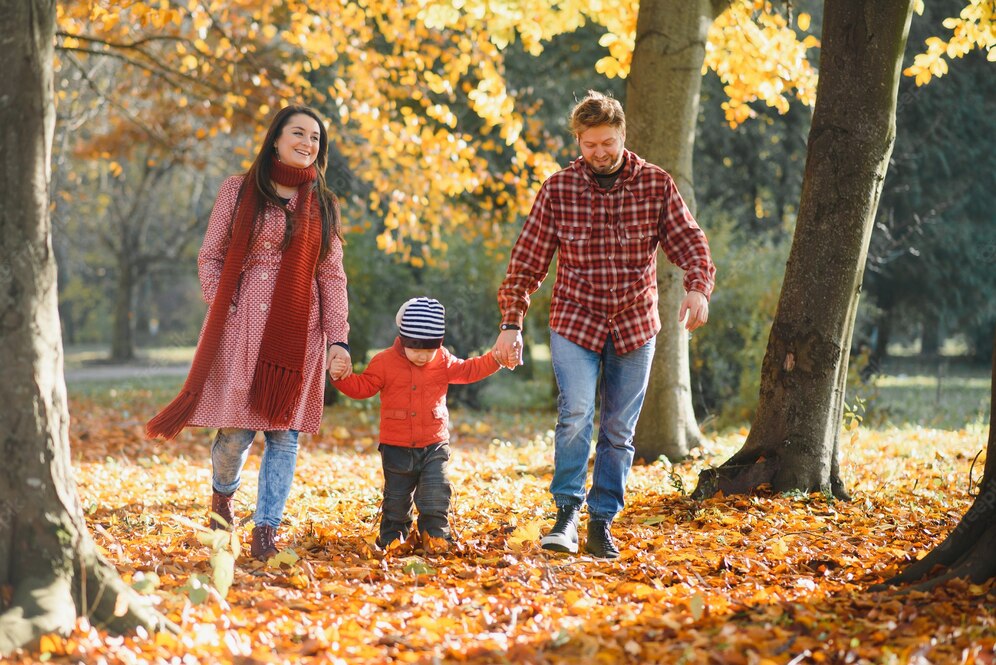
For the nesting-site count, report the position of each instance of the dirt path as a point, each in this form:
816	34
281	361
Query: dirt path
112	372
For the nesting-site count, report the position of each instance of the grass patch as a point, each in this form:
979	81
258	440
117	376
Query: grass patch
951	403
78	356
116	392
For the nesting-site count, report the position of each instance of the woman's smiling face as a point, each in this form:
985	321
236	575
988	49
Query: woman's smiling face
299	141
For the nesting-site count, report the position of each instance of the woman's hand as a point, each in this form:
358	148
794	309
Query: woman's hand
339	364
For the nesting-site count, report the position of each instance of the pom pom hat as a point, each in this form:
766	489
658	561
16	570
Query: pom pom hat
422	323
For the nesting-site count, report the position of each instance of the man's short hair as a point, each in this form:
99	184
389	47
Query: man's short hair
594	110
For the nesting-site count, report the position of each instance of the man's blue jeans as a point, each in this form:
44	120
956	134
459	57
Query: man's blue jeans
276	470
622	384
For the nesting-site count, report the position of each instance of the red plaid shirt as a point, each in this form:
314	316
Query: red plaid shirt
607	269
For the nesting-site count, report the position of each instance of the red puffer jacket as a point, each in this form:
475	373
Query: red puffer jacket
412	398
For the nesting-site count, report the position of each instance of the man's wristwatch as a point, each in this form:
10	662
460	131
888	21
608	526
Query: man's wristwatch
509	326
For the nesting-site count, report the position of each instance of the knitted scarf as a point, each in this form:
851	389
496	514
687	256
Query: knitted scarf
279	374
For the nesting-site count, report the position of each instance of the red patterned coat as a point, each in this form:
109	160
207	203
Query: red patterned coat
225	399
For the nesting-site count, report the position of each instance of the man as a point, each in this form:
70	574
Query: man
606	214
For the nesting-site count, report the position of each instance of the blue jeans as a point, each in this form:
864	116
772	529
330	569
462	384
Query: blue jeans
622	384
415	477
276	470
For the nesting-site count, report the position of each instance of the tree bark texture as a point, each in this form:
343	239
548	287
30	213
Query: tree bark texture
970	550
662	106
793	442
47	560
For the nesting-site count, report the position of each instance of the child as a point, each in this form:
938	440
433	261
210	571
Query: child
412	378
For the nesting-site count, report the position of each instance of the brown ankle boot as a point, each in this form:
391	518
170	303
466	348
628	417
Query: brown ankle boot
222	504
263	542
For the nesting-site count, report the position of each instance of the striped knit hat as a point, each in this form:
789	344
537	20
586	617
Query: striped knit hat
422	323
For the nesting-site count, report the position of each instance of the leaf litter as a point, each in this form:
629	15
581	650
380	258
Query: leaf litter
752	580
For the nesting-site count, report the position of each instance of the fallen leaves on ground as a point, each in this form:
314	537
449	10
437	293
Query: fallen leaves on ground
731	580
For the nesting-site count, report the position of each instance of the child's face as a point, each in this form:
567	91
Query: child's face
420	356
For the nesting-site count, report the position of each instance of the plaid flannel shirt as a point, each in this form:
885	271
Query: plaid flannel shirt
606	279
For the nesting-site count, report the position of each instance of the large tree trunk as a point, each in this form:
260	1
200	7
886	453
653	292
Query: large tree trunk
662	107
970	550
793	442
48	562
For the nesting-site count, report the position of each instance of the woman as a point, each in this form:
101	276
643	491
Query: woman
271	273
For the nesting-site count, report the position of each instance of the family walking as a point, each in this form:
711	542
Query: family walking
271	272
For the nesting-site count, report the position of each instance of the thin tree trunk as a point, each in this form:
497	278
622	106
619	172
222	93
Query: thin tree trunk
123	334
662	106
793	442
881	351
46	554
930	336
970	550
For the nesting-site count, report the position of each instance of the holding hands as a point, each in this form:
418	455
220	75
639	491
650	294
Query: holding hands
508	349
339	364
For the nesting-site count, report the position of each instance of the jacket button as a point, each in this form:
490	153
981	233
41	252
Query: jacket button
414	387
231	308
264	275
267	245
413	414
263	306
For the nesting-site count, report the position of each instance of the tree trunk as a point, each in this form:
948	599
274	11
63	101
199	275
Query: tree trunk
930	336
123	335
662	107
49	566
793	442
884	325
970	550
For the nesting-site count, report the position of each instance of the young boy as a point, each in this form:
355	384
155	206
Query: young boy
412	378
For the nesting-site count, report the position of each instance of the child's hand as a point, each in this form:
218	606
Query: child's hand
339	364
511	366
508	348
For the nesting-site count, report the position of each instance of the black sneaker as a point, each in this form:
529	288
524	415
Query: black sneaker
563	537
599	543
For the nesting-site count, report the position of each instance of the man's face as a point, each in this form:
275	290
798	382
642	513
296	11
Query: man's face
602	148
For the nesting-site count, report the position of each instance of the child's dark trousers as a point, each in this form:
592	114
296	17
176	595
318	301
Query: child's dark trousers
415	478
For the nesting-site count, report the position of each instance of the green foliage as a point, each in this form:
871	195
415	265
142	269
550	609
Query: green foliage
932	259
726	355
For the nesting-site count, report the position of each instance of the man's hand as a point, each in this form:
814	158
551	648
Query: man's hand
696	307
339	364
508	348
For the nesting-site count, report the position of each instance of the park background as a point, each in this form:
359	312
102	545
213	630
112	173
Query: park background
432	200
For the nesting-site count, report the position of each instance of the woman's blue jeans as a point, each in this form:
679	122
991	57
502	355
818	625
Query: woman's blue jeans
276	470
621	381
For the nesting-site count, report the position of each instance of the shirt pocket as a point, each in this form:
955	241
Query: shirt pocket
575	241
639	232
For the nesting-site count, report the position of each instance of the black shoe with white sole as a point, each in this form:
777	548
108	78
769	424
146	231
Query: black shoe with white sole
563	537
